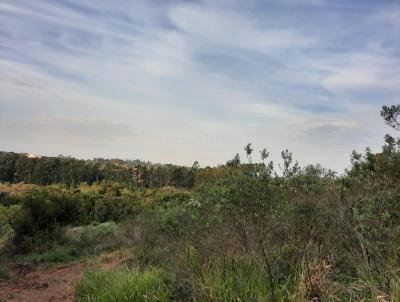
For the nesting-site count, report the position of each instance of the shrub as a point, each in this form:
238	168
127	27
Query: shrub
57	254
171	194
47	209
90	233
113	208
175	219
4	269
8	218
6	237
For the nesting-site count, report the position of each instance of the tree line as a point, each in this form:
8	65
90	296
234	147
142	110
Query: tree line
19	167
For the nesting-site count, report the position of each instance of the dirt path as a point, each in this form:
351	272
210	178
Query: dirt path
52	285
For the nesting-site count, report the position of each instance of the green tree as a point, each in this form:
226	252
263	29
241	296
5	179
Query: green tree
196	165
390	114
288	169
235	161
264	154
248	150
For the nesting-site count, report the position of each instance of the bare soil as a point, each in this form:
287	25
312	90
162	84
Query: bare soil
51	285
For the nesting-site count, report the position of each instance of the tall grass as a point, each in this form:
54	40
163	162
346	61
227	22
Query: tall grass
237	280
122	285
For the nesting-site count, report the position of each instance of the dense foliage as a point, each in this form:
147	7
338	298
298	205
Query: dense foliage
15	167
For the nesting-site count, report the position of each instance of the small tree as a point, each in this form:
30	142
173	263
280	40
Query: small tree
235	161
288	169
248	150
390	114
264	154
196	165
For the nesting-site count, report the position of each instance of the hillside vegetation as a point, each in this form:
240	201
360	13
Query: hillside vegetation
236	232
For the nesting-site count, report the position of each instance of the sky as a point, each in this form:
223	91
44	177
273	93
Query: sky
179	81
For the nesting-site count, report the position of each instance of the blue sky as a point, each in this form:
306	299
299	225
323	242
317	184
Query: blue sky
178	81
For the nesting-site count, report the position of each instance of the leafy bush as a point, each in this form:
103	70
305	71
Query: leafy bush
8	218
56	254
171	194
91	233
92	239
46	209
113	208
175	219
4	269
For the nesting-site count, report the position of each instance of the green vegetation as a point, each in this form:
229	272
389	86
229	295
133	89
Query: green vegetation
15	168
235	281
122	285
244	232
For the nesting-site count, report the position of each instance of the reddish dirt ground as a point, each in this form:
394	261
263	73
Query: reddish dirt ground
51	285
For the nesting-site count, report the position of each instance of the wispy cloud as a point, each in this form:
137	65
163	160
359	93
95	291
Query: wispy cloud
231	29
178	81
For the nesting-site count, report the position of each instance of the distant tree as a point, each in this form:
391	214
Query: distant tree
289	169
178	177
234	161
264	154
248	150
196	165
390	114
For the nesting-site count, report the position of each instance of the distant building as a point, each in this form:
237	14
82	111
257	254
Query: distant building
30	155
